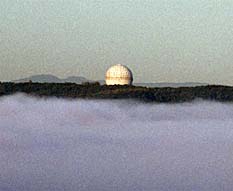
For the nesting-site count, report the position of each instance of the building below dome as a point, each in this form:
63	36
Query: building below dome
119	75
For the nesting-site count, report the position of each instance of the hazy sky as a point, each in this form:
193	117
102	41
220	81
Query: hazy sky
161	41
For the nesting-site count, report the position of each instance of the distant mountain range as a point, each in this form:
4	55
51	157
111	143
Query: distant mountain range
174	85
47	78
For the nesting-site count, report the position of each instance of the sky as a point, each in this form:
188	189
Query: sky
159	40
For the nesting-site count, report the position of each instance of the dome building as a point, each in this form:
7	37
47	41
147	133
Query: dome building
119	75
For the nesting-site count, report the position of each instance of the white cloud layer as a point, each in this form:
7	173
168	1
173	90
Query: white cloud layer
57	144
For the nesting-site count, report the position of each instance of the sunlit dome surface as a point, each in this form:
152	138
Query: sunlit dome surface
119	75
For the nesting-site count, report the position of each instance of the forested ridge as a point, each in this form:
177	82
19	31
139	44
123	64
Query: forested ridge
97	91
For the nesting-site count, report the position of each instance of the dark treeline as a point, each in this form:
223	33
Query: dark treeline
97	91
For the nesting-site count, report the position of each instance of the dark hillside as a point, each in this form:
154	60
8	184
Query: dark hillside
97	91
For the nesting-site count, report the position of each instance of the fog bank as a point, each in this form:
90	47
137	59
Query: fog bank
57	144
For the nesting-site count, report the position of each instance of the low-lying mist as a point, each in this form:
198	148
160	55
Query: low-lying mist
57	144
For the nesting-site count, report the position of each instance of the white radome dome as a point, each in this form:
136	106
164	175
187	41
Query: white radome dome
119	75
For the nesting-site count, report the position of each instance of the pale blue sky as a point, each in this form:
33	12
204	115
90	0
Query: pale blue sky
161	41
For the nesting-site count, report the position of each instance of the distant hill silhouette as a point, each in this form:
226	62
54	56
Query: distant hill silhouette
47	78
173	85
